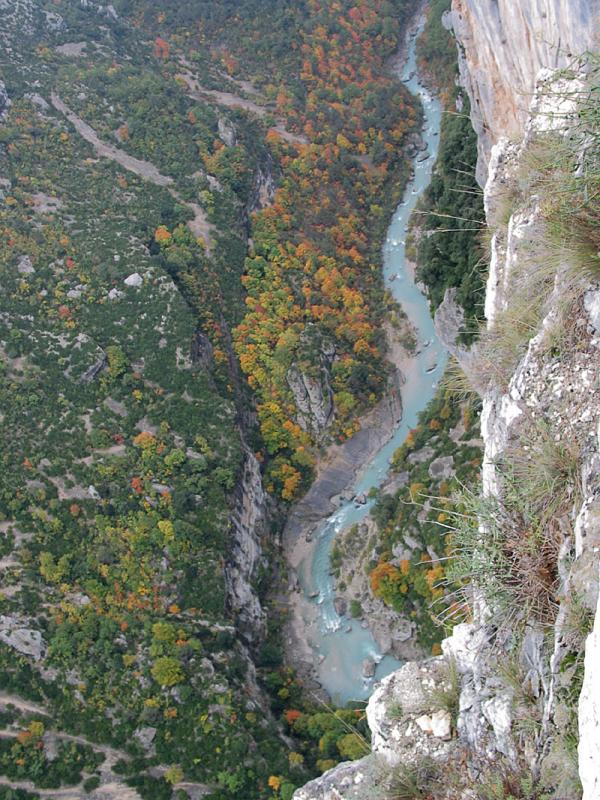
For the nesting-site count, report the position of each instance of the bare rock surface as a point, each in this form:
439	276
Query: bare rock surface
24	640
504	44
589	717
249	520
406	725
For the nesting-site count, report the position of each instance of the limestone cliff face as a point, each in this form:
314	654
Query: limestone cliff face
248	523
4	100
503	45
313	398
554	392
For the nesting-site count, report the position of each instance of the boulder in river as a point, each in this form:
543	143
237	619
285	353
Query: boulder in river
368	668
341	606
361	499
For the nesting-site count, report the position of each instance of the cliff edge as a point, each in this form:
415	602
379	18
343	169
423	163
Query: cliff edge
503	44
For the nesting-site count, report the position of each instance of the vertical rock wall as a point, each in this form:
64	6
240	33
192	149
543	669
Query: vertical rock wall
502	46
248	523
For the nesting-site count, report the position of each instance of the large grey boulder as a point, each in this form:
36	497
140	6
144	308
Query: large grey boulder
26	641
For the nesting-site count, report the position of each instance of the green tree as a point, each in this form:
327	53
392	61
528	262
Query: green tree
167	671
352	747
117	361
174	774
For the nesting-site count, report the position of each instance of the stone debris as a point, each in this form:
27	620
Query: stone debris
438	724
24	266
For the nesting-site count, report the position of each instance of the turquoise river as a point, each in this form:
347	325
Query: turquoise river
340	646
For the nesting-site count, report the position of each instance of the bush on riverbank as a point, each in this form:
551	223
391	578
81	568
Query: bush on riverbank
440	454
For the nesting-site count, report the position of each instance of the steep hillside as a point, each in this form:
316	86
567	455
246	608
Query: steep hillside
132	505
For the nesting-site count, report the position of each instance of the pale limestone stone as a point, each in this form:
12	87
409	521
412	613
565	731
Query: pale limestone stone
135	279
589	716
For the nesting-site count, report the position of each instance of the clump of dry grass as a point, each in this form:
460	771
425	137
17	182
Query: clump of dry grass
509	551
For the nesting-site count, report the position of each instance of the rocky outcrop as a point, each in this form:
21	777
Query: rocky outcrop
263	190
24	640
313	398
449	321
407	723
4	100
589	717
201	350
226	132
503	46
103	10
248	523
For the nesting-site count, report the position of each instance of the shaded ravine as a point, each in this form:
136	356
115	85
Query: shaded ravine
338	646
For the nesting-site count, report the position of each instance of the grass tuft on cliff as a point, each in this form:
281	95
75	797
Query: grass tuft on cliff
570	178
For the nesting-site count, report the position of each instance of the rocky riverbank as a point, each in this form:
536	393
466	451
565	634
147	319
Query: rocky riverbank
336	473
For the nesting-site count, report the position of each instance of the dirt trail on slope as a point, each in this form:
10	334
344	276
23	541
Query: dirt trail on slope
23	705
110	789
199	92
199	225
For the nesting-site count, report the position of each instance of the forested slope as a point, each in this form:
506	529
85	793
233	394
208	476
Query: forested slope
311	341
161	218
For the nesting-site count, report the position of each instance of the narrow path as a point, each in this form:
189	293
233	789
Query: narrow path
199	789
199	225
111	788
108	791
142	168
112	755
71	793
24	705
199	92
